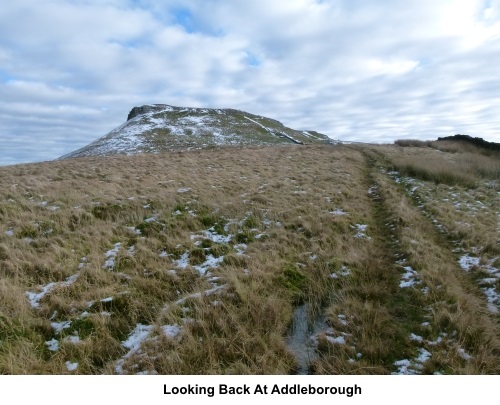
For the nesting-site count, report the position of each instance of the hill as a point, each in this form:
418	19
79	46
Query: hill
160	127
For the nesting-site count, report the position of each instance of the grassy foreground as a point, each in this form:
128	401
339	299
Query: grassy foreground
194	262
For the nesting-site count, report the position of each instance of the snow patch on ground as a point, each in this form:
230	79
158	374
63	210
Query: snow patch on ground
414	366
171	331
342	319
217	238
467	262
134	230
111	254
205	293
210	261
59	326
240	248
339	340
136	337
35	298
52	345
331	336
463	354
342	272
361	231
183	262
133	343
75	339
338	212
271	131
409	278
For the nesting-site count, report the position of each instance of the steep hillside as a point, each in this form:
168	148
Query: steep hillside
160	127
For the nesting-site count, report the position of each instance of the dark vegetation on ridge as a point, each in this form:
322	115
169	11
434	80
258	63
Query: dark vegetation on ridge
480	142
456	140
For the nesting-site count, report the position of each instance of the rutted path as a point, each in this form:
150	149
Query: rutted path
408	307
473	258
377	309
453	334
401	279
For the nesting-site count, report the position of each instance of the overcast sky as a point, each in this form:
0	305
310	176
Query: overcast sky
370	71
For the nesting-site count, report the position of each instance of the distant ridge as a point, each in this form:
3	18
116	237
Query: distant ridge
480	142
161	127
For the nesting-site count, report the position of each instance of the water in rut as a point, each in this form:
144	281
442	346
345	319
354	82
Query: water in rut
300	337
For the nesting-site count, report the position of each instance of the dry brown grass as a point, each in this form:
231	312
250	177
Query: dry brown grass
458	146
298	210
413	142
463	164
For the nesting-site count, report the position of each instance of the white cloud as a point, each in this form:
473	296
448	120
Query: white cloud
71	70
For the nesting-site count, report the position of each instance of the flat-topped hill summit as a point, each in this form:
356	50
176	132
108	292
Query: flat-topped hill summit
160	127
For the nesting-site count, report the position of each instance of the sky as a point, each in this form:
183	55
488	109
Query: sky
368	71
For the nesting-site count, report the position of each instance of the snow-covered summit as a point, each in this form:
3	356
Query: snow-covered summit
160	127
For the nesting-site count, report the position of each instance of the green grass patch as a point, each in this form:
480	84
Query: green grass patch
244	237
293	280
152	228
83	327
250	222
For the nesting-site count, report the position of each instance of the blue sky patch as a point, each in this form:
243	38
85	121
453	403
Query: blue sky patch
184	18
4	76
252	60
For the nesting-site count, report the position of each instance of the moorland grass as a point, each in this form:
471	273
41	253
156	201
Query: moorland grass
207	253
